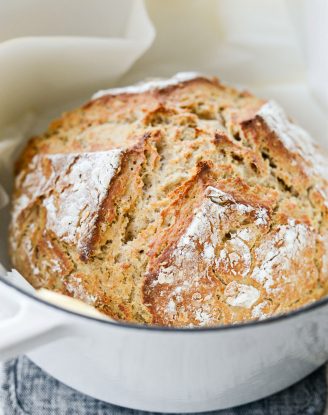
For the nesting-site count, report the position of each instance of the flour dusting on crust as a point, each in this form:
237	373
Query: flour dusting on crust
75	287
73	192
294	138
201	244
276	253
241	295
157	83
72	211
257	311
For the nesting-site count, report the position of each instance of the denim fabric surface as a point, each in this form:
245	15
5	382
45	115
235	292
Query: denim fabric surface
26	389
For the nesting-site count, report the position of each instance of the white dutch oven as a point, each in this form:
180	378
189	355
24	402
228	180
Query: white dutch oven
166	370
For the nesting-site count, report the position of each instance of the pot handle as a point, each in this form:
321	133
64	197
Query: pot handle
26	323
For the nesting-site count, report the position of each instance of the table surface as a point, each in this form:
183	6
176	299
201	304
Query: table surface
2	378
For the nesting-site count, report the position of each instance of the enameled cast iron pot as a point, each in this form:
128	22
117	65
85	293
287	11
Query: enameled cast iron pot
164	369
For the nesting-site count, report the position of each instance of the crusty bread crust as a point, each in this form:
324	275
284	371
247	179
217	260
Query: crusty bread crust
190	205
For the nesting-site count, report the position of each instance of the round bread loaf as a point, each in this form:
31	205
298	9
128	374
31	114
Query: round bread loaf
178	203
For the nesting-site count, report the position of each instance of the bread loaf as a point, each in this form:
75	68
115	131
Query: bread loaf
178	203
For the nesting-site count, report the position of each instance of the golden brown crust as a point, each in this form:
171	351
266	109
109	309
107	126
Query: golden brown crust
194	204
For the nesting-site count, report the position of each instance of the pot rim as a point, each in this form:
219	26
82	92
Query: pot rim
121	324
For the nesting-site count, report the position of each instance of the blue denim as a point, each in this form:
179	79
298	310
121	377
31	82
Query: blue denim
26	389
